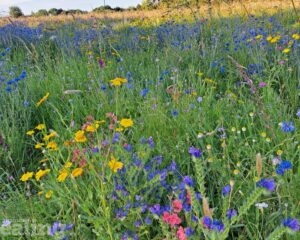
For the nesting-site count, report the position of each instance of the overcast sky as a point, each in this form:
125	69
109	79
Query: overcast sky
28	6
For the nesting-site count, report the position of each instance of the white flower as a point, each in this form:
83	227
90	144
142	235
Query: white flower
261	205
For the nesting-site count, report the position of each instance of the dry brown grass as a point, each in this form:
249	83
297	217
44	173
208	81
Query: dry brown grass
220	9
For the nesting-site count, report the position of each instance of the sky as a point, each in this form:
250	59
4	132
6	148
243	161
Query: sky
28	6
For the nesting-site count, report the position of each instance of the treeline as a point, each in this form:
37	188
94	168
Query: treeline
16	12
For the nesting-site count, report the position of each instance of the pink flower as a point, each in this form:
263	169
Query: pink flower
181	234
176	205
171	218
262	84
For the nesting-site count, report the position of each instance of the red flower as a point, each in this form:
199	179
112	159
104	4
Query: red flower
171	218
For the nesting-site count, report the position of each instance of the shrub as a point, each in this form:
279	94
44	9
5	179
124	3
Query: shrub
15	12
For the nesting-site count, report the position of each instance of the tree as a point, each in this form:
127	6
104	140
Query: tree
41	12
15	12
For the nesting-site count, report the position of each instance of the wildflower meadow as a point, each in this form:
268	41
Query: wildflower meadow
162	129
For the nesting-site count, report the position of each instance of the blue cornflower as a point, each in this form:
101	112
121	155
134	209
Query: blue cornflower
151	142
195	152
156	209
148	221
187	180
213	224
298	113
283	166
116	137
291	223
174	113
226	190
231	213
268	184
128	147
287	127
144	92
217	225
189	231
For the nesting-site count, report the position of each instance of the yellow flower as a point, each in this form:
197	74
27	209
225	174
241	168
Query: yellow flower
263	134
41	126
30	132
52	145
279	152
296	36
41	173
62	176
92	127
43	99
275	39
50	135
39	145
126	122
68	164
80	137
236	171
49	194
286	50
114	165
77	172
259	37
119	129
26	176
117	82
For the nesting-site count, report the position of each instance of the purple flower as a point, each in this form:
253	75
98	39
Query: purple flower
189	231
5	223
287	127
207	221
231	213
268	184
155	209
291	223
144	92
226	190
217	225
195	152
151	142
187	180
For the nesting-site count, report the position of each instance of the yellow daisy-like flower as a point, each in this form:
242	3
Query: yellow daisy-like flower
41	173
52	145
286	50
258	37
68	164
50	135
77	172
49	194
40	127
39	145
279	152
115	165
26	176
62	176
30	132
119	129
126	122
296	36
92	127
80	137
42	100
117	82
